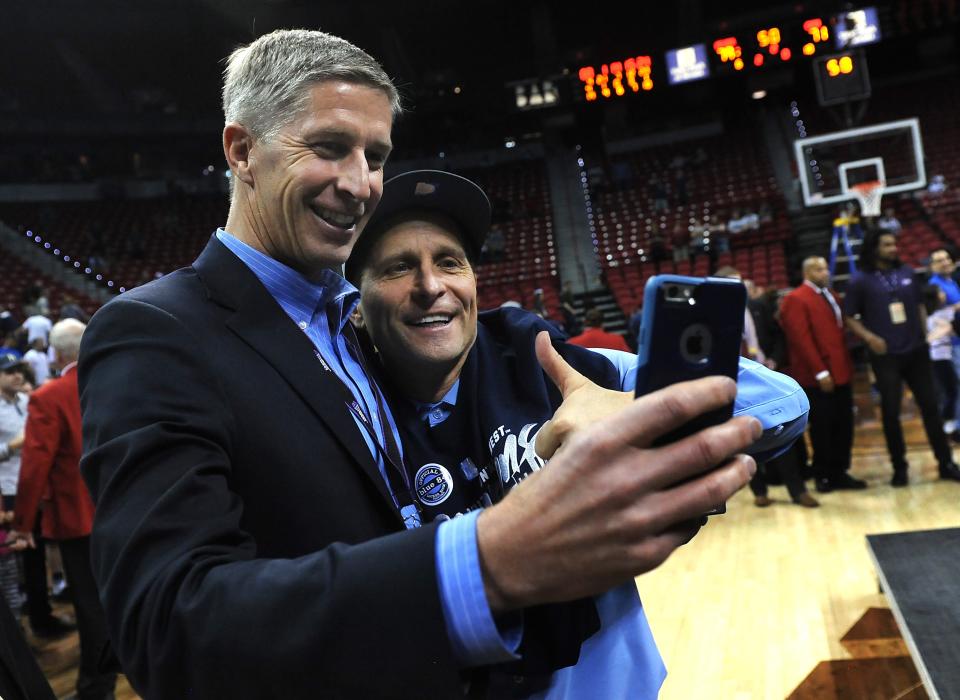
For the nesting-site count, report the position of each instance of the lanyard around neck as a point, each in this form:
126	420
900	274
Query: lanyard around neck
396	475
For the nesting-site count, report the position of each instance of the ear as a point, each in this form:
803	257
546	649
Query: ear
356	318
237	144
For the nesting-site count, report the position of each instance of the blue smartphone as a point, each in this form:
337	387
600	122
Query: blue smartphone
691	327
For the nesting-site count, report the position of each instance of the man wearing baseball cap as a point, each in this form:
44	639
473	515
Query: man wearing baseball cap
471	396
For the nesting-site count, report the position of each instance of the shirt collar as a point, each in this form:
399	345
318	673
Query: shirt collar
448	401
450	398
298	296
818	290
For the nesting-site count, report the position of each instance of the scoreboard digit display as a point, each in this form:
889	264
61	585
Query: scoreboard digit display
746	48
616	78
841	77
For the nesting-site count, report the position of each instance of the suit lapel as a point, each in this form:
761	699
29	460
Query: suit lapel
262	324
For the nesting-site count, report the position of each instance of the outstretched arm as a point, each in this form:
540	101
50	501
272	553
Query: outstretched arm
611	506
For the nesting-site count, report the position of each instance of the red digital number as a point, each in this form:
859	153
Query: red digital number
616	77
587	76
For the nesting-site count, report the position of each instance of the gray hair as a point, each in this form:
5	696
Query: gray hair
264	82
65	338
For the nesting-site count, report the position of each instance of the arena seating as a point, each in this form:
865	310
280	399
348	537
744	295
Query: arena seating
136	238
521	200
18	276
139	239
724	176
940	134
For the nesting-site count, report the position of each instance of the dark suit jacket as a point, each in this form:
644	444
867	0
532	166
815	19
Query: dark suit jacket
244	542
50	464
815	341
20	676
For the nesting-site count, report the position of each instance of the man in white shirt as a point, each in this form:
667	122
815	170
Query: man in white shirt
38	326
39	361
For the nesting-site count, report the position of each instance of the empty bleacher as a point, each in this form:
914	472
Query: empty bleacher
723	176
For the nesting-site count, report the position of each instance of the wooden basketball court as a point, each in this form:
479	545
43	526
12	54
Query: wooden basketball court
775	602
762	596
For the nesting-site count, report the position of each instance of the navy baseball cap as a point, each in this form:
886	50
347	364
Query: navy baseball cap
426	191
9	360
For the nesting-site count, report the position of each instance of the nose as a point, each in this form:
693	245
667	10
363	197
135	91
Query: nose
354	178
428	285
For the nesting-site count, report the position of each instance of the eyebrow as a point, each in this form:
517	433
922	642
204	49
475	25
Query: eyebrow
452	252
409	253
325	132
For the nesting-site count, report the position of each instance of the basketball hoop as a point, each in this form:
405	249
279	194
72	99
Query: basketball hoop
869	195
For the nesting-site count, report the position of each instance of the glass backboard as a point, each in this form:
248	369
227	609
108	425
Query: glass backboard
830	164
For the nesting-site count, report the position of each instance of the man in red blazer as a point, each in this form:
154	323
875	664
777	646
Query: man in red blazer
50	473
813	324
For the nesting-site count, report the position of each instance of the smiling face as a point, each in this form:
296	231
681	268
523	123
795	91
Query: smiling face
313	185
941	263
418	299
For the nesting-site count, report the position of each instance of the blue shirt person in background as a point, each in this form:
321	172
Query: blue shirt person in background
942	269
446	364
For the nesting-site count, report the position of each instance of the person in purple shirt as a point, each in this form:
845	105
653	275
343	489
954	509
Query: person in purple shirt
885	309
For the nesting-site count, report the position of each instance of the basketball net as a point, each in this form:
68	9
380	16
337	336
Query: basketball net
869	195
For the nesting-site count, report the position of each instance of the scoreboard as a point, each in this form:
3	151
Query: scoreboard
843	76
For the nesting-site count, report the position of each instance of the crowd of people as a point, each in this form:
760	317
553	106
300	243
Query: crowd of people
906	325
385	407
45	499
367	456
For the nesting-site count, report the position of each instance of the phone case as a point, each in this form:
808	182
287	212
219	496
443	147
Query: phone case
681	341
670	331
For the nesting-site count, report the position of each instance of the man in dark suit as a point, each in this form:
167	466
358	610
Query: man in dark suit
20	676
256	534
50	472
814	327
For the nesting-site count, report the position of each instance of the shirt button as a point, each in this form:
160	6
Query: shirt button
437	413
303	325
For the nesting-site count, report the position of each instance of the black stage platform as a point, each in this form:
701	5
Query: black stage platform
920	574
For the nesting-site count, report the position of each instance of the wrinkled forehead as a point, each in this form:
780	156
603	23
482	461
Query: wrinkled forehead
414	229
